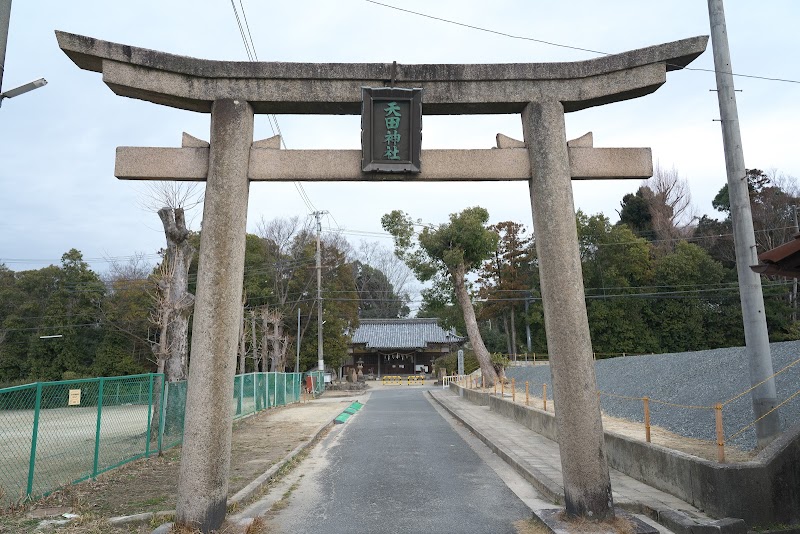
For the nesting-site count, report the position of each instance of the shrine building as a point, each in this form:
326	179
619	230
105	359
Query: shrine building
399	346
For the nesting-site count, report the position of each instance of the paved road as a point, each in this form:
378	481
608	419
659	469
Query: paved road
398	466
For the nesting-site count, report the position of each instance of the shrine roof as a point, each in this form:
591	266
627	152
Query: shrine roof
402	334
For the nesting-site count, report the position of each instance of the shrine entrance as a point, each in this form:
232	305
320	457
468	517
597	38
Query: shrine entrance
234	91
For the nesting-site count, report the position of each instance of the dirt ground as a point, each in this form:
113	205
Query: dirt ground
150	485
658	436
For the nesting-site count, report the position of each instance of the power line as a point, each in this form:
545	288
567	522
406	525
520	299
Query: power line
252	55
560	45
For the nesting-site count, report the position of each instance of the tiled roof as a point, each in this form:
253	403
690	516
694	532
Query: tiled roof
402	333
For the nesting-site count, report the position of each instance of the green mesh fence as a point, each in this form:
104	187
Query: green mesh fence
57	433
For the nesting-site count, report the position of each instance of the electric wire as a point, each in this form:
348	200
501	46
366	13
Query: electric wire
561	45
252	55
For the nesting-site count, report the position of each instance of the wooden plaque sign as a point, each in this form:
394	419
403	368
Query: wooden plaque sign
391	129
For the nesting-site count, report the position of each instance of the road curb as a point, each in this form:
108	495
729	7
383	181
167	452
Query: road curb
548	490
675	520
248	491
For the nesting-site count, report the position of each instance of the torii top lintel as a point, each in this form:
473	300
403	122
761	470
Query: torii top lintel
335	88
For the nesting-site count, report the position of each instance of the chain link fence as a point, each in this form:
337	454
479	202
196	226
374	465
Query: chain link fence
58	433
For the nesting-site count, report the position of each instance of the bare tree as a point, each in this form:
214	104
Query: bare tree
287	243
397	273
174	304
670	203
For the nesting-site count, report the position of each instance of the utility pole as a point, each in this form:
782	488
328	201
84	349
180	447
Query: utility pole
320	358
750	293
5	19
794	280
297	342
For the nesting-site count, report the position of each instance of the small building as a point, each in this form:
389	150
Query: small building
399	346
781	261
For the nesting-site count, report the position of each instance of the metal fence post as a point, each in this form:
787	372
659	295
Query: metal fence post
149	414
34	437
97	429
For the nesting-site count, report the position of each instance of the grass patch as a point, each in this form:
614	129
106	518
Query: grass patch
530	526
581	525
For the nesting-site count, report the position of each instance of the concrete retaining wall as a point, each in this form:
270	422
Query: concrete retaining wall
537	420
475	397
763	492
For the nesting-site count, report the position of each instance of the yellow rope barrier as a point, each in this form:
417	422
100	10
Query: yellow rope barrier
796	393
760	383
665	403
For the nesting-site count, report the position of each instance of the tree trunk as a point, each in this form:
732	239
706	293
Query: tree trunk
507	332
179	303
266	352
457	273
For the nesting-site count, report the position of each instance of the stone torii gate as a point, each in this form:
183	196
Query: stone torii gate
234	91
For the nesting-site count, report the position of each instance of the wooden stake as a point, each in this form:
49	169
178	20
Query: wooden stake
513	390
527	394
646	401
544	397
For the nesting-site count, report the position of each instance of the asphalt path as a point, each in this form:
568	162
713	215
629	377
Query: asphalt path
397	466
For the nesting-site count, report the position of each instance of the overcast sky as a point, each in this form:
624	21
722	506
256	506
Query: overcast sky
58	191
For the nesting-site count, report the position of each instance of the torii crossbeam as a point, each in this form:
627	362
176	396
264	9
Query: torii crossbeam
233	91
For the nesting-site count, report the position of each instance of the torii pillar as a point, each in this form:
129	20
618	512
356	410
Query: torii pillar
232	92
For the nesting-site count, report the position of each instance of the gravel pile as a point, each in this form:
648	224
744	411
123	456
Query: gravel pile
701	378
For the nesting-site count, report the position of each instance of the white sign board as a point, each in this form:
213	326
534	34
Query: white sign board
74	397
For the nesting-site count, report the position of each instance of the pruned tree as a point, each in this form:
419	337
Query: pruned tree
174	303
274	341
450	250
179	302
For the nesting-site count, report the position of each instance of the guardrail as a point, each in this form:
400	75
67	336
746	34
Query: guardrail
446	380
